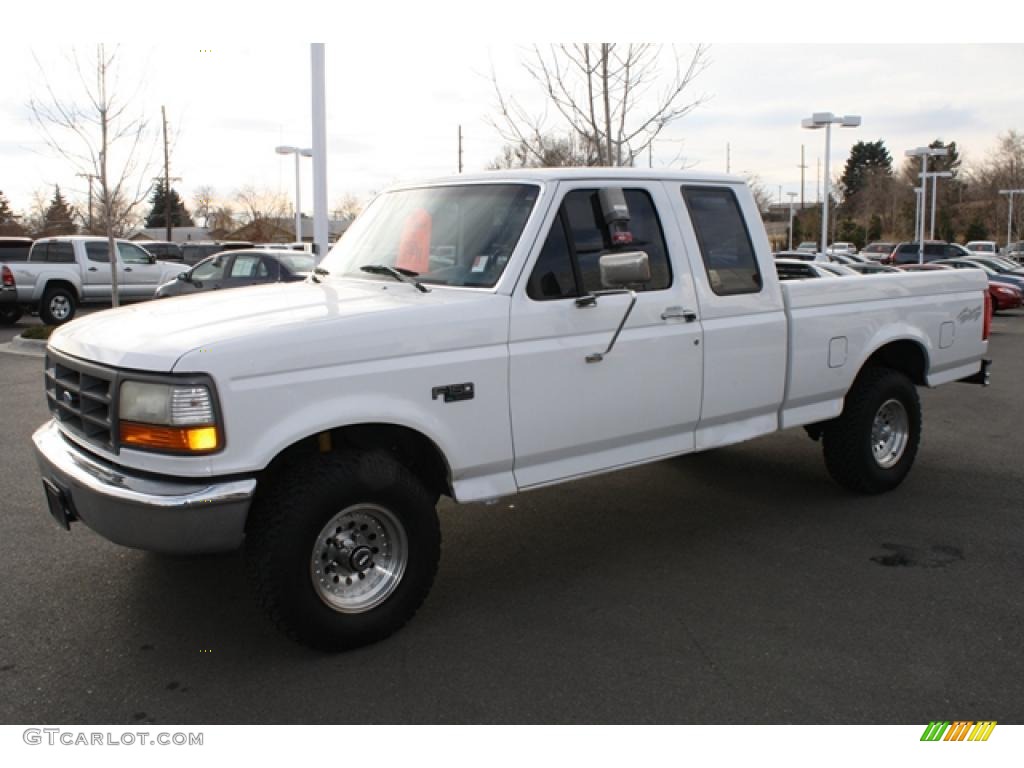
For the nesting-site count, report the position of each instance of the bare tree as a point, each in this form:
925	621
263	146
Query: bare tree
99	134
605	97
203	200
348	207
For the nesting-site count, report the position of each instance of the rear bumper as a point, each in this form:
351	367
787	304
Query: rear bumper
160	514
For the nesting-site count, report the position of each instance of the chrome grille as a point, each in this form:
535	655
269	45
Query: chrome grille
80	399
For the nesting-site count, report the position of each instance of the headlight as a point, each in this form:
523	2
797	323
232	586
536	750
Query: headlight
179	418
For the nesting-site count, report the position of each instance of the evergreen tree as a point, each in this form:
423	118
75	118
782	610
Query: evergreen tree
866	158
157	215
59	218
9	224
976	231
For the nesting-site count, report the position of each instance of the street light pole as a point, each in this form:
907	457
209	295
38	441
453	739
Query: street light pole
825	120
924	153
935	176
1009	213
298	186
791	195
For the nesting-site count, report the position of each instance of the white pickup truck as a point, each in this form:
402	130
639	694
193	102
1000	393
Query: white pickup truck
63	272
476	337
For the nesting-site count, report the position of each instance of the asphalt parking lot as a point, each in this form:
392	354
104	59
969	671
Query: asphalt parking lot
736	586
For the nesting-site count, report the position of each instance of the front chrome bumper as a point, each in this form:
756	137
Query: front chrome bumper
164	514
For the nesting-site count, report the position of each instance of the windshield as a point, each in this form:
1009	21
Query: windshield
452	235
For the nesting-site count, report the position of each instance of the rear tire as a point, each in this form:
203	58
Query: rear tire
342	551
871	446
58	306
10	316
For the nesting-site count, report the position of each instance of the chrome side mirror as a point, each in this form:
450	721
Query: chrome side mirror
621	269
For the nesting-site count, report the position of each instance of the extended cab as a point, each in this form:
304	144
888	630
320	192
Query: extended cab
62	273
475	337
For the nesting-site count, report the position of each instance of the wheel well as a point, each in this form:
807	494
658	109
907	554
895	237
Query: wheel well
412	449
59	284
907	357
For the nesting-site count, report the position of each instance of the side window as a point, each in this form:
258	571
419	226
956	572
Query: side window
248	266
724	240
552	276
97	251
211	269
132	254
569	263
62	253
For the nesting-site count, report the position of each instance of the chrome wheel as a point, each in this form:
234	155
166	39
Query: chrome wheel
359	558
890	433
60	307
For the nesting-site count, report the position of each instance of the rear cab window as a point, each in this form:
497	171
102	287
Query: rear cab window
724	240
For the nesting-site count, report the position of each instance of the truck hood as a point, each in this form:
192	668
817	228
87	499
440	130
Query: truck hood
154	335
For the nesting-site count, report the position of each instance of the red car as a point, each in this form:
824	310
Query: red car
1005	296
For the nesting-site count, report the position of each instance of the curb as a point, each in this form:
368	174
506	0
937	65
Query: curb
25	347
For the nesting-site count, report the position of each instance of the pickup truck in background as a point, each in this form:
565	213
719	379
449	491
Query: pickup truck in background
62	273
475	337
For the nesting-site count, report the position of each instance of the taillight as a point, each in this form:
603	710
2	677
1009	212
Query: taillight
986	325
7	277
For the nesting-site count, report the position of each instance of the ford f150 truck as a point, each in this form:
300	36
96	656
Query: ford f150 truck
476	337
63	272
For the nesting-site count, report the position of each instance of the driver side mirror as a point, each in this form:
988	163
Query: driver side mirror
152	259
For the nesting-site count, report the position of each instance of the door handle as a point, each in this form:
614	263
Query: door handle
93	269
127	269
679	313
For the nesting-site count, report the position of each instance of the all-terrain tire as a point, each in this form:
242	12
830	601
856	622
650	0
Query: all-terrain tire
871	446
342	548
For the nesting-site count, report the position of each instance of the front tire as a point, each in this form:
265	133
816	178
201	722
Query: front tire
872	445
342	551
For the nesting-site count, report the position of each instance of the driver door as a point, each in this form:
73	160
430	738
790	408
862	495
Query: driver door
571	417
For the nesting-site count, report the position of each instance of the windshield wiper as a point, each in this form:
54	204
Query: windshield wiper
400	274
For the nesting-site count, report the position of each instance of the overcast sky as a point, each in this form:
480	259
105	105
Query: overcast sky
394	108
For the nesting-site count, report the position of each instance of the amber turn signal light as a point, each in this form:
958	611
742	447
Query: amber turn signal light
177	439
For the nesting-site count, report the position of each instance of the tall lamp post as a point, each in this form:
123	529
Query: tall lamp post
1009	213
924	153
935	176
826	120
791	195
298	205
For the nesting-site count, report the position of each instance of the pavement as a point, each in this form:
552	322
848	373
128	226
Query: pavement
735	586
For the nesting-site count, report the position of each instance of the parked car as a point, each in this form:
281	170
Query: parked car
841	248
907	253
999	264
847	258
194	252
162	249
15	248
1015	251
993	275
877	251
63	272
802	269
317	424
808	246
237	269
1005	296
873	268
799	255
982	247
